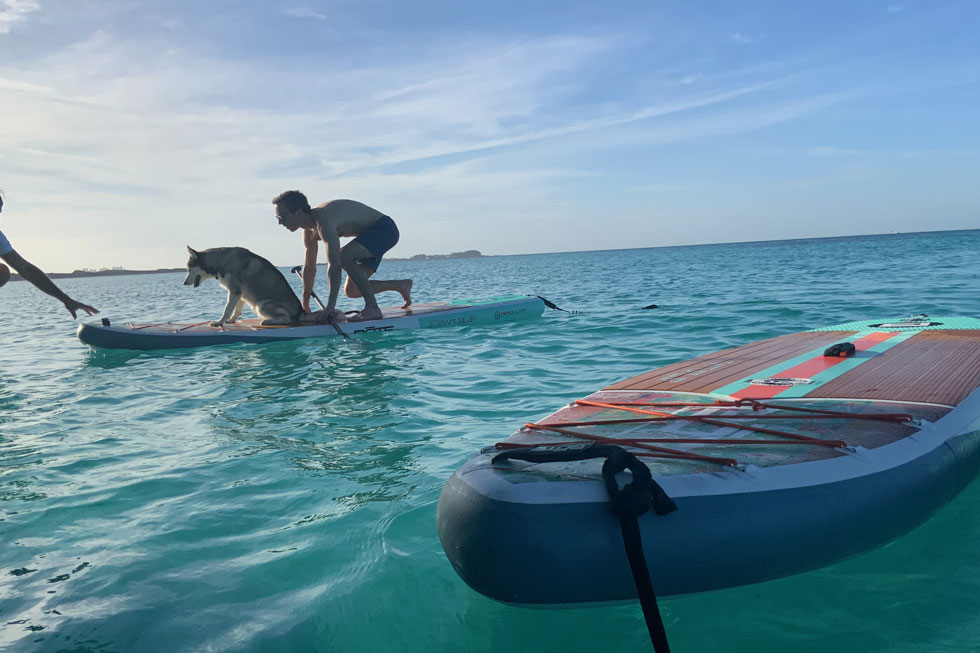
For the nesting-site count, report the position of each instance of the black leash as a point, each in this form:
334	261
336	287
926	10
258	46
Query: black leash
552	305
628	503
330	319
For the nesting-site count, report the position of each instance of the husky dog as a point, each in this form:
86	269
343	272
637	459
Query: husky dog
249	279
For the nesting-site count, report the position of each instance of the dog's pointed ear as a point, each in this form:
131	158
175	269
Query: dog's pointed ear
193	253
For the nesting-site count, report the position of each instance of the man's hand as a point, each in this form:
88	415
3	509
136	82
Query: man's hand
325	316
322	317
74	306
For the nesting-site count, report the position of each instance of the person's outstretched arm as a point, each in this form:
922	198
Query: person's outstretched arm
36	276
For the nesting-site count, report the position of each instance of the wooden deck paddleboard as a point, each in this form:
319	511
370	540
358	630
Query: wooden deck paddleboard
779	458
434	315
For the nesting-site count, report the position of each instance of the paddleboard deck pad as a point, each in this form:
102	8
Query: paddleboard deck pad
434	315
780	459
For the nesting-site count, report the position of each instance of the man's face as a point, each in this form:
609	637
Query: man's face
286	218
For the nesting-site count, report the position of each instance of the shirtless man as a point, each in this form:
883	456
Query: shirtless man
32	273
374	234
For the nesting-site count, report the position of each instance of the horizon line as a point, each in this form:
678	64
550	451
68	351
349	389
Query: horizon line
725	242
17	277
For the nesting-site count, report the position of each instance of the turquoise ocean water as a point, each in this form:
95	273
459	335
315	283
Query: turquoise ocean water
282	497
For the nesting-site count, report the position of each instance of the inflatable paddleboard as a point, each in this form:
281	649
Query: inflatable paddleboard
781	455
435	315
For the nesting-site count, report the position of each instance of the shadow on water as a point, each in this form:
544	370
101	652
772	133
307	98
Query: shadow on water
112	358
335	408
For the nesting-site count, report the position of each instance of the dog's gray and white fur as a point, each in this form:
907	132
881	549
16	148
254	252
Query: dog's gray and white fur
249	279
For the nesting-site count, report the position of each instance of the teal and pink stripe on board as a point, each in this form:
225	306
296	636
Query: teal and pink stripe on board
814	366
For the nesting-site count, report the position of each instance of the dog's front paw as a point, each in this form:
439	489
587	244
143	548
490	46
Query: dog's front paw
218	323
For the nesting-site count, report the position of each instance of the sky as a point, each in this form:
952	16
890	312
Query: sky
131	129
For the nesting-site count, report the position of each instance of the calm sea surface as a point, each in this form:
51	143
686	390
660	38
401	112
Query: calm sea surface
282	497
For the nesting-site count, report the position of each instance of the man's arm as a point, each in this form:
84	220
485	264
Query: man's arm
334	268
310	240
32	273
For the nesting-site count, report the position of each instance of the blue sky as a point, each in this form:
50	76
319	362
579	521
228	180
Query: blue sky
131	129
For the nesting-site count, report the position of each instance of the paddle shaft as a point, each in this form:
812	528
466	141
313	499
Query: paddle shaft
312	293
330	319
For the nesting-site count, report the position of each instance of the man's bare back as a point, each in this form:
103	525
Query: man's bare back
347	218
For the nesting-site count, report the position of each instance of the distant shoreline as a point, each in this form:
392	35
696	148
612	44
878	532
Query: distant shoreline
470	253
78	274
476	254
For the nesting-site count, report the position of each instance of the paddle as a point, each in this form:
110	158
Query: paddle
333	322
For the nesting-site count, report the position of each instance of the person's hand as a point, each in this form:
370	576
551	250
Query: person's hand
306	306
323	317
73	308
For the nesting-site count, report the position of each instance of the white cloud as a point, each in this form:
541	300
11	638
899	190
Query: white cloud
125	154
15	11
129	148
303	12
739	38
57	155
698	126
14	85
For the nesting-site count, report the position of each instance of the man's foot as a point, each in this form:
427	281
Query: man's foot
367	314
405	289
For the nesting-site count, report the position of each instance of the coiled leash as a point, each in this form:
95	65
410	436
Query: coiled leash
628	503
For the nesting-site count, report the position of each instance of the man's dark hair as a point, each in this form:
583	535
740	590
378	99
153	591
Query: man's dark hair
292	200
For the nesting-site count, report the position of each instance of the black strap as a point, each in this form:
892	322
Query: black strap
628	503
553	306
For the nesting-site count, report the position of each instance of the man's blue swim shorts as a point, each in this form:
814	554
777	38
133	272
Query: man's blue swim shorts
378	239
